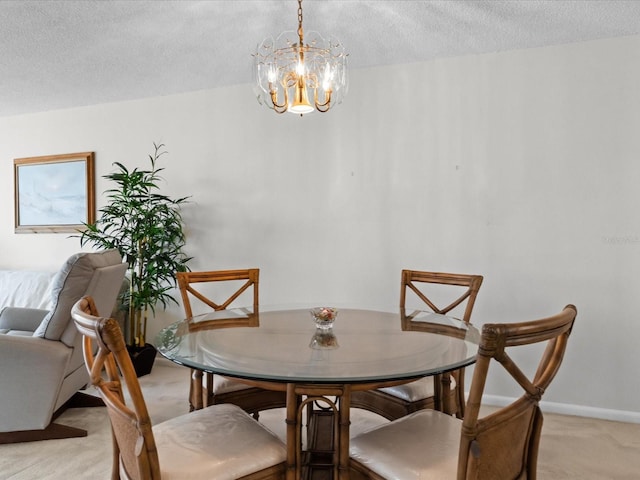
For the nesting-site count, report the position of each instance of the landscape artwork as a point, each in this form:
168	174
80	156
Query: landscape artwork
54	194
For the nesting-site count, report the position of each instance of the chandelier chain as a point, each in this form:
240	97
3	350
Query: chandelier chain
300	31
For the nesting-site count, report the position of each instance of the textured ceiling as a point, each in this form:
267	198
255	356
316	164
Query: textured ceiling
60	54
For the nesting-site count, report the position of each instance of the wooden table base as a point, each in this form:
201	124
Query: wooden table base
326	411
318	458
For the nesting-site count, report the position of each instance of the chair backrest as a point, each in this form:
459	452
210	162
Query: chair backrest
240	279
134	446
505	443
470	286
98	274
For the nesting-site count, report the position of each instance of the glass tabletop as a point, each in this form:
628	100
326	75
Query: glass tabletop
364	346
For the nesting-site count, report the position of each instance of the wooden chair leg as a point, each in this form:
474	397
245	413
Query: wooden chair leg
437	393
460	393
208	390
195	390
449	402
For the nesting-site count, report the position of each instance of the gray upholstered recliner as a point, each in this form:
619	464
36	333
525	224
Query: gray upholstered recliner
41	362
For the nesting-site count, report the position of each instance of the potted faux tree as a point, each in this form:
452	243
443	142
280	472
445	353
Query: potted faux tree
147	228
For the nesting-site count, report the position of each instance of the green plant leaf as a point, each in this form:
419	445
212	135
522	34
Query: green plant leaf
146	227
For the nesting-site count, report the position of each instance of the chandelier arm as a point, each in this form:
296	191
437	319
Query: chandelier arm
322	107
279	108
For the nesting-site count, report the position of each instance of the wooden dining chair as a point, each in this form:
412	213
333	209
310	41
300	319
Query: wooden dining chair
230	286
218	442
454	293
502	445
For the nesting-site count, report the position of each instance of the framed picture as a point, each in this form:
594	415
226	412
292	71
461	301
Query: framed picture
54	194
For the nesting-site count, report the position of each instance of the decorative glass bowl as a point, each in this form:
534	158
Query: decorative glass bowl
324	317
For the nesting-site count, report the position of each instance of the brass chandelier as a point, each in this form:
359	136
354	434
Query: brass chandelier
298	77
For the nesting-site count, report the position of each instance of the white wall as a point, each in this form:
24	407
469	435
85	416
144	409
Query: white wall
522	166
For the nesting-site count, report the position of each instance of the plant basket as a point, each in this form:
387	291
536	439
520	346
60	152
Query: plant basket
142	358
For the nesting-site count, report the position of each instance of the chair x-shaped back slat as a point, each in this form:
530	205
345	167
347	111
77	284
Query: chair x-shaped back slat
187	279
472	282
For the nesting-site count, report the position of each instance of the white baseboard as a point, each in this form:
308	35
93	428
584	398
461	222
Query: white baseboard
568	409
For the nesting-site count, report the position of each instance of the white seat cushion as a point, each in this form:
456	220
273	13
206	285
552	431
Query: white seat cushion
415	391
221	442
420	446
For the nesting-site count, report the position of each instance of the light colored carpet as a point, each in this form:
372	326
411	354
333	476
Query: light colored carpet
571	447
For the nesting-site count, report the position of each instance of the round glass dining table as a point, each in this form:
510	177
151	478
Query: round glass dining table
281	349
